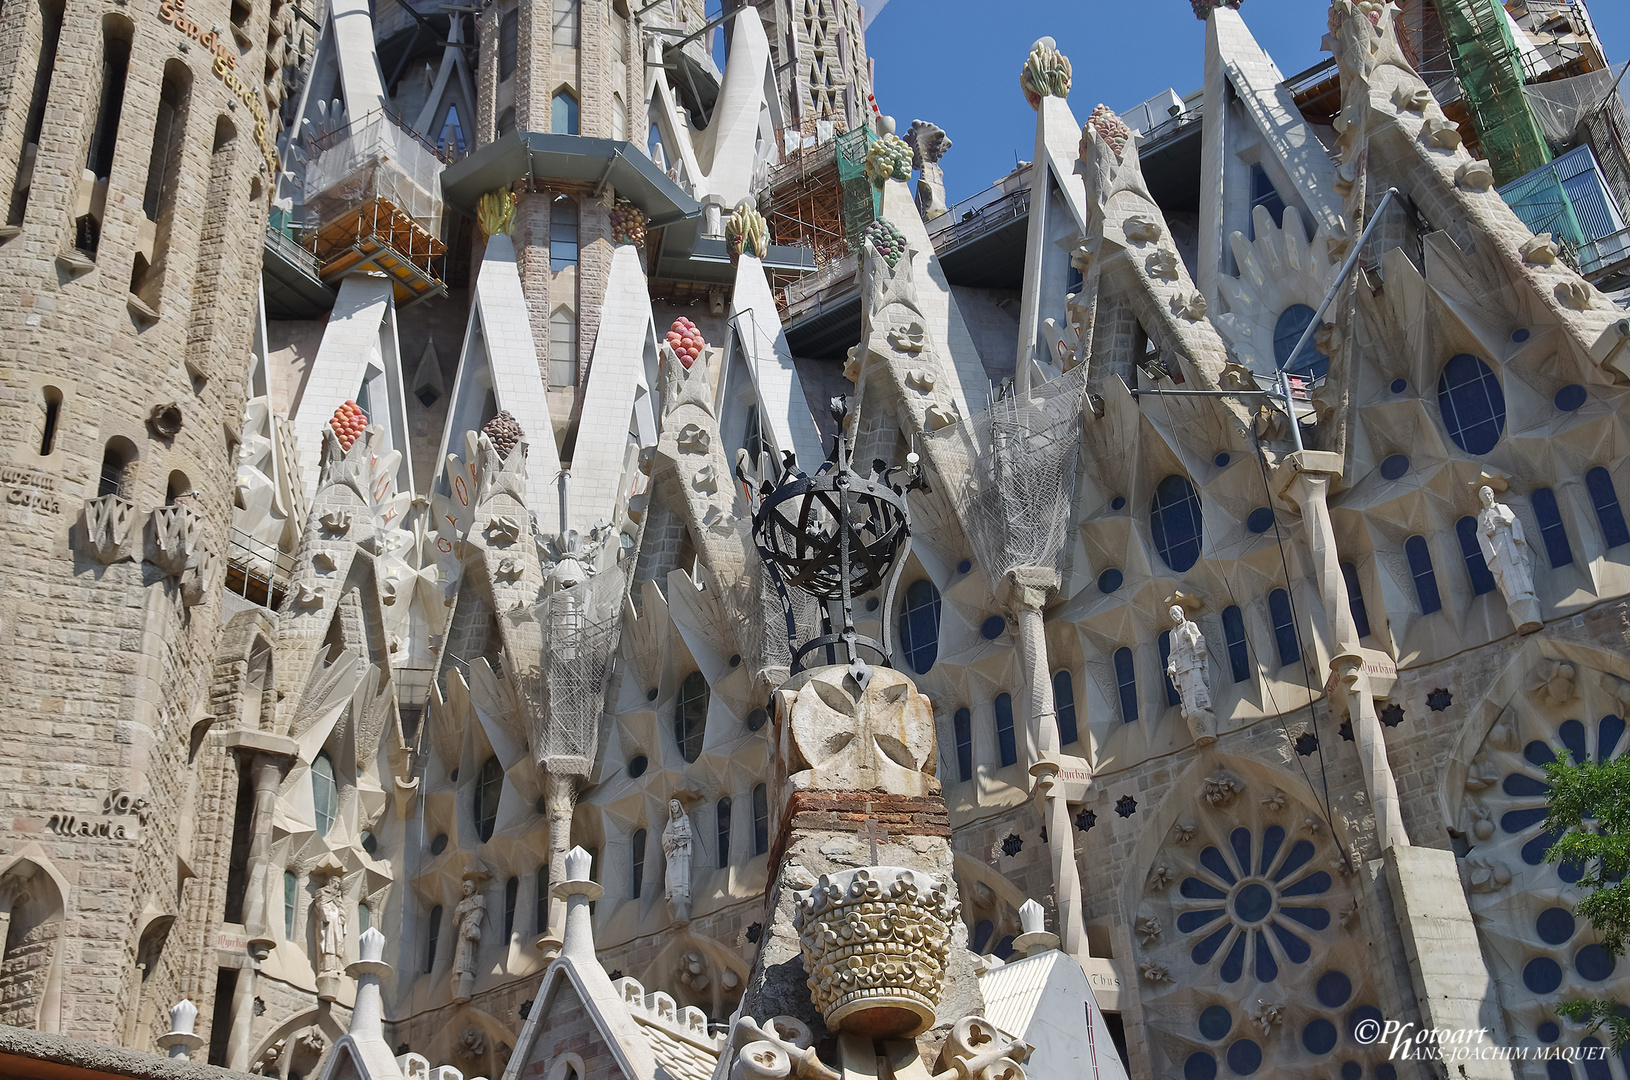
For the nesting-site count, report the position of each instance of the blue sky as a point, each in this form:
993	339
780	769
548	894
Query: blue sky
956	62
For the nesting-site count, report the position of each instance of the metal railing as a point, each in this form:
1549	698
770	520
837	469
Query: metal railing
286	246
1605	252
1150	140
257	571
975	223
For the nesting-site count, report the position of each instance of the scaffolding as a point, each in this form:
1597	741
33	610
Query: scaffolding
1487	65
372	201
568	688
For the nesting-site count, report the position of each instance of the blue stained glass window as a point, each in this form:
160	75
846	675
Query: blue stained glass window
1239	658
1260	520
1420	568
563	113
1172	696
324	793
1127	680
920	625
1293	322
1006	742
722	814
963	724
993	627
1064	707
1175	521
636	864
761	819
432	937
1551	529
690	715
1394	466
1284	627
563	241
1606	501
1477	568
1109	581
1570	398
1265	195
982	931
1472	403
1355	600
291	893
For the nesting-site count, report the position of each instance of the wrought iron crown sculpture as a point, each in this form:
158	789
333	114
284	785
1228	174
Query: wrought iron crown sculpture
835	535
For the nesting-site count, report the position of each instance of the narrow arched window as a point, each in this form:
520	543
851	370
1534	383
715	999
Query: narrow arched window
1126	681
920	625
324	793
653	141
488	787
565	28
1064	707
1472	404
761	819
115	460
1175	521
365	918
509	43
52	399
291	900
540	903
1284	627
562	349
690	715
1007	743
563	113
1165	642
1551	530
1239	657
512	893
45	62
1606	501
116	32
636	864
1355	600
962	726
1477	568
1287	331
563	222
1420	568
432	937
722	816
619	118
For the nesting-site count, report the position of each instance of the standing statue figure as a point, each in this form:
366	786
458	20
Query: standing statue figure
1509	559
1186	668
467	918
331	926
676	847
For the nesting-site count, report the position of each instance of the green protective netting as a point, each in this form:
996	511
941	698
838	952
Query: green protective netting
861	203
1486	62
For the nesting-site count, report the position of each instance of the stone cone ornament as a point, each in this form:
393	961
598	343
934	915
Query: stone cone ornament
874	943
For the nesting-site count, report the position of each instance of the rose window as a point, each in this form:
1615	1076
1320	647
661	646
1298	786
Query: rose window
1260	899
1250	963
1539	952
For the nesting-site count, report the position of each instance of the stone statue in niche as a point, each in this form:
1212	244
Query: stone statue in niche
467	917
1509	559
331	926
1186	667
676	850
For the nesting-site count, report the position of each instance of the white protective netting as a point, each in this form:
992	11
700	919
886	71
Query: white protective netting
375	157
1014	497
580	630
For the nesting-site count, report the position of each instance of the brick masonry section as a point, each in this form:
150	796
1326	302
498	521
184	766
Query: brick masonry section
848	811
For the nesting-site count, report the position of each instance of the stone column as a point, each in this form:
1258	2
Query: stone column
267	757
238	1043
1305	477
1030	585
560	796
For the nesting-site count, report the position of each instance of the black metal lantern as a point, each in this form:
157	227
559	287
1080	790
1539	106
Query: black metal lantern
834	535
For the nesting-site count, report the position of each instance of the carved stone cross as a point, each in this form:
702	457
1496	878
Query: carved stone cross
874	834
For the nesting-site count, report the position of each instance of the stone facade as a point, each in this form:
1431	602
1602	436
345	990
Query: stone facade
258	710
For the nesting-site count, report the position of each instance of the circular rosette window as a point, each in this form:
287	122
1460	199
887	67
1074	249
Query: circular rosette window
1249	955
1538	950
